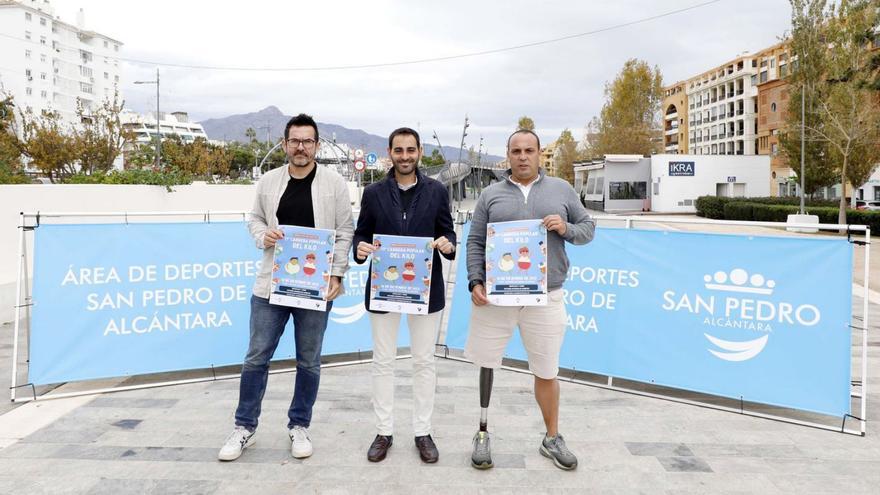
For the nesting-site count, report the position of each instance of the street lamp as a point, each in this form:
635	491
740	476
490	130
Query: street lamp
158	128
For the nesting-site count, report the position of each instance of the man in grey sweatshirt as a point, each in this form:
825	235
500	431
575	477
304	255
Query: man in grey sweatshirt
526	194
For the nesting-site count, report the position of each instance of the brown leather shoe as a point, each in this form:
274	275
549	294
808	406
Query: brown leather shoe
427	449
379	448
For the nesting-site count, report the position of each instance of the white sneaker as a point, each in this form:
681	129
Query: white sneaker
240	439
301	445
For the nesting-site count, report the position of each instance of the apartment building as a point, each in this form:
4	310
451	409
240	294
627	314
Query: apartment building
549	158
49	64
675	113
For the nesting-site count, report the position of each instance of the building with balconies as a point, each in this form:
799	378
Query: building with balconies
675	114
50	65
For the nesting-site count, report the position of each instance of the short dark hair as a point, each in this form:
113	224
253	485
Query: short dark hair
301	120
404	131
523	131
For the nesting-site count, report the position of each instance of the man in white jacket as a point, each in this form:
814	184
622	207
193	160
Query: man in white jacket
308	195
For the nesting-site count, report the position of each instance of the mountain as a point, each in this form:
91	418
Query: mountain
233	128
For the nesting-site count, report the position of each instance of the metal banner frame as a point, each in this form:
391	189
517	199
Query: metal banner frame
28	222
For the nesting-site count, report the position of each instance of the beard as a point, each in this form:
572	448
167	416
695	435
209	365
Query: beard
404	167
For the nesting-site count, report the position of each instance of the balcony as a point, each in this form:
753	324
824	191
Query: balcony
672	132
713	137
713	119
740	152
713	100
699	122
740	132
740	91
672	116
740	111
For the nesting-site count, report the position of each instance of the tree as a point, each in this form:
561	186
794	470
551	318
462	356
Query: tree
630	118
526	123
837	79
99	138
436	159
48	145
10	146
566	149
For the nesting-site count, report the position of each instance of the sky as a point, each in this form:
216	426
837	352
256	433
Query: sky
559	84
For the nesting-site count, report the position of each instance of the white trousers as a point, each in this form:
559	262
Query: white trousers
423	337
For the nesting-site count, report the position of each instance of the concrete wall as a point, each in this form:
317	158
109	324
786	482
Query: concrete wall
674	194
103	198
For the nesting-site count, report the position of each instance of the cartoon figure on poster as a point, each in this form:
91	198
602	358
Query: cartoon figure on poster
516	260
400	284
294	279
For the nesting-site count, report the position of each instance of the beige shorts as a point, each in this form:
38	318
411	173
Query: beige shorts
541	328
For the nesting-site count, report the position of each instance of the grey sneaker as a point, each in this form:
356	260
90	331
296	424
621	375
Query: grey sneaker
300	443
240	439
554	448
482	456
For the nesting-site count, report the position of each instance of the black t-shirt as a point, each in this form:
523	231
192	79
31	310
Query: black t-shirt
295	207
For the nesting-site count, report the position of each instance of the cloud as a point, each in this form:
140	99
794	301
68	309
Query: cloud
559	85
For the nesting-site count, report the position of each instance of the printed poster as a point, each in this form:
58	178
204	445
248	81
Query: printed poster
401	278
516	263
301	272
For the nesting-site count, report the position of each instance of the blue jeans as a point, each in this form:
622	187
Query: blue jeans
267	325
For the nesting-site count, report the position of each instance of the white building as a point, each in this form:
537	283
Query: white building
47	64
678	180
722	109
144	126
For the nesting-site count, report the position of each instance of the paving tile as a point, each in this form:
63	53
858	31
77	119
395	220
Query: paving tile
684	464
658	449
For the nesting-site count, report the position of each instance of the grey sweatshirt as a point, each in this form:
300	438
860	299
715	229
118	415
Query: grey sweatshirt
505	202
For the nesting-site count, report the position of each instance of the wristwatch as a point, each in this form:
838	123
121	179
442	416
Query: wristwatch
474	283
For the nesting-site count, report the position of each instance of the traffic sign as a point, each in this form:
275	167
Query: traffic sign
359	165
358	153
372	158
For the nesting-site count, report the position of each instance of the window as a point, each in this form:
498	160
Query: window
43	94
42	40
600	185
27	16
42	21
106	76
27	73
27	35
106	45
115	78
628	190
43	76
115	48
43	57
28	91
85	87
85	71
27	54
764	76
773	107
754	80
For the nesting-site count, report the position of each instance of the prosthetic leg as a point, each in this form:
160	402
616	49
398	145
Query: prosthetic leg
482	456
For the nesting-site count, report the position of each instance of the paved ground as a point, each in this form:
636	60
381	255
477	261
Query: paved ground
165	440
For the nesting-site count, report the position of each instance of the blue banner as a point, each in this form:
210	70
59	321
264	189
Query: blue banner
118	300
762	319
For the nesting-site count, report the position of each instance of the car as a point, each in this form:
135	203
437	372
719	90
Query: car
867	205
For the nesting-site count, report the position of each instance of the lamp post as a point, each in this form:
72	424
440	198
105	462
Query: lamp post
158	128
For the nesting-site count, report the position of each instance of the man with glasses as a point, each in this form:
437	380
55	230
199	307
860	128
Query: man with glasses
406	203
306	195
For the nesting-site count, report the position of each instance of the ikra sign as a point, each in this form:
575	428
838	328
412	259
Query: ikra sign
681	169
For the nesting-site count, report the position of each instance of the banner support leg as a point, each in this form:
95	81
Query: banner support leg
21	248
865	295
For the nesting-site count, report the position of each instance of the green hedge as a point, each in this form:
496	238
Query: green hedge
133	176
745	209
